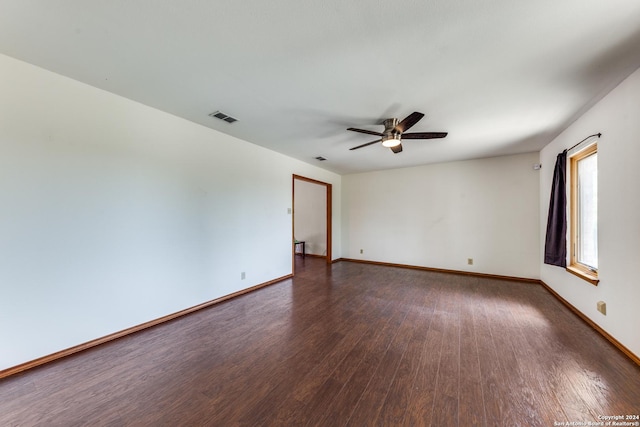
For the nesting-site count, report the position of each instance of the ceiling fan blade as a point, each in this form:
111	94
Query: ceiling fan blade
424	135
364	145
370	132
397	149
409	121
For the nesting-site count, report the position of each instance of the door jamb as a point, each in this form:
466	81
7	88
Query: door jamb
329	190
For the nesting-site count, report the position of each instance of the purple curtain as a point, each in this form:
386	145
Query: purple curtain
555	245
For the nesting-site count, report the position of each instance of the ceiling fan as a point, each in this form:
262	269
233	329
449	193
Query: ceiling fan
394	132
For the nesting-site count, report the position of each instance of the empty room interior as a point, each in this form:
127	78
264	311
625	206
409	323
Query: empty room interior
319	213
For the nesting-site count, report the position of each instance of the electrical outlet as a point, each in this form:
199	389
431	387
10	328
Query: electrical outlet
242	275
470	261
289	211
361	251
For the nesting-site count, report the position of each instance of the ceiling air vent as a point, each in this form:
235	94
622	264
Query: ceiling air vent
222	116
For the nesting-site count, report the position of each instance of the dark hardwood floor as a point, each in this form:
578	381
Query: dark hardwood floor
347	344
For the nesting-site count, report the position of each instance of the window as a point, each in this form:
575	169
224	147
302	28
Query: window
584	214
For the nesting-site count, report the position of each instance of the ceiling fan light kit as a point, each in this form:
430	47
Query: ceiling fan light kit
393	133
391	140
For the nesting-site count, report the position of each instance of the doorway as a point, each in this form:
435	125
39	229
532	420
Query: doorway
313	218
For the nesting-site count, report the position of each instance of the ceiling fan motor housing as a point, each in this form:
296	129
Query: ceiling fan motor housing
390	136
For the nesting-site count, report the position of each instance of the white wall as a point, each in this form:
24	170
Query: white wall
113	213
310	216
439	215
617	117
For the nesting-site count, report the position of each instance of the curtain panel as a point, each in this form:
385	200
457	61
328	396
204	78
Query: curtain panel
555	246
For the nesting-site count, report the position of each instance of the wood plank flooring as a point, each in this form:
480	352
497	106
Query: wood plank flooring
347	344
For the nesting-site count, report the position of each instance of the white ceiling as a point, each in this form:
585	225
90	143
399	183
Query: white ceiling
501	76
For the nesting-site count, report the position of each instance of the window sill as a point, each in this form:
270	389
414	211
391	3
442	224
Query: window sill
589	276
